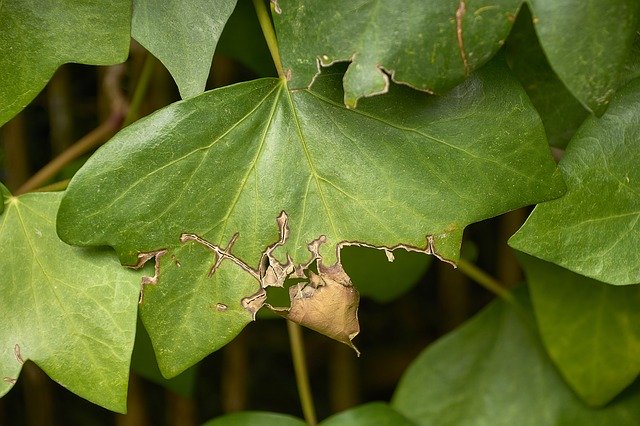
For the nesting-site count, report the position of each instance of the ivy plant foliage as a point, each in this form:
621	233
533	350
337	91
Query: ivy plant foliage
494	370
433	45
37	37
587	43
378	413
594	230
70	310
590	329
182	32
259	180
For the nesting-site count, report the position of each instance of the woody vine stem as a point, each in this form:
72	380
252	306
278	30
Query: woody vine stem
295	331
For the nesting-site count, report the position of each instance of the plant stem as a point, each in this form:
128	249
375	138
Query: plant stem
302	377
141	89
100	134
485	280
89	141
269	34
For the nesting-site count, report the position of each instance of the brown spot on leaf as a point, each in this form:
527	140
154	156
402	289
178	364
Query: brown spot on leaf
462	9
144	258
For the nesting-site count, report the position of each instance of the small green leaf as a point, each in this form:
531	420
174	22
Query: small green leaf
493	370
376	276
560	111
590	329
70	310
428	45
143	362
37	37
242	39
374	413
593	230
406	169
183	36
587	43
251	418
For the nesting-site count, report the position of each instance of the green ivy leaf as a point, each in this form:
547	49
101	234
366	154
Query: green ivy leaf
494	370
587	44
374	413
143	362
242	39
183	36
37	37
561	113
70	310
250	418
431	46
217	170
593	230
375	275
590	329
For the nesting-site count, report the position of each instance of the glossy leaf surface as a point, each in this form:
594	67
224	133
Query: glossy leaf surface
374	413
183	36
221	168
70	310
431	46
587	43
37	37
593	230
591	329
249	418
561	113
493	370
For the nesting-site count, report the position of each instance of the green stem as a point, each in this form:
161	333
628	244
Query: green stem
302	377
269	34
485	280
141	89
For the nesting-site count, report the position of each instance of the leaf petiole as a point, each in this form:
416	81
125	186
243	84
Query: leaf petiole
269	34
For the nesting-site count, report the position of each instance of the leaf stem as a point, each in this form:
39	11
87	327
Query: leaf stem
141	89
269	34
302	377
100	134
89	141
485	280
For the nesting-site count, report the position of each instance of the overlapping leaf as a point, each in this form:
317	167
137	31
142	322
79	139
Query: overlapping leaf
594	229
183	35
587	43
70	310
375	413
561	113
405	169
591	329
494	370
383	276
37	37
431	46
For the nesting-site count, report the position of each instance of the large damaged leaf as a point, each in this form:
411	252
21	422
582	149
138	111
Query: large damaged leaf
493	370
70	310
431	46
593	230
36	37
183	36
591	329
243	187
